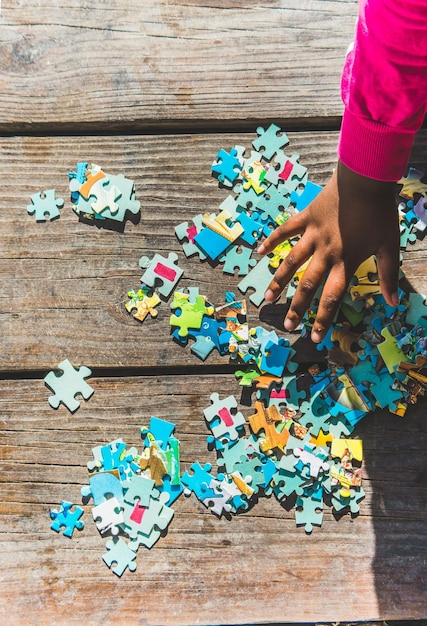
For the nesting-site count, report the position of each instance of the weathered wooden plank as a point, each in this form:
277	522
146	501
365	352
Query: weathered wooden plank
256	568
63	284
168	64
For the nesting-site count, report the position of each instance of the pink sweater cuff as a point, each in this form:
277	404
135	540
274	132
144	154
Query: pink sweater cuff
374	149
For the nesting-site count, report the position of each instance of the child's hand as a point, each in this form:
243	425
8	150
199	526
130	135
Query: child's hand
352	218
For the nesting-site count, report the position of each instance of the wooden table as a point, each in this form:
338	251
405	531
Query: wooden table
153	90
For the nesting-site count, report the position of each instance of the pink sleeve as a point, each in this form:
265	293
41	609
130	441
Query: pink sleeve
384	87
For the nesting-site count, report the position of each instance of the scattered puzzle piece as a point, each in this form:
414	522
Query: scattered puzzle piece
67	385
162	270
119	556
67	519
44	205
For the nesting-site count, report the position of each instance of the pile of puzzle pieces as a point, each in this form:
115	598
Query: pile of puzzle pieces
374	355
296	443
132	493
266	186
97	195
281	456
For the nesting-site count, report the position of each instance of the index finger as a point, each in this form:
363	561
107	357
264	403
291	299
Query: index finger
295	225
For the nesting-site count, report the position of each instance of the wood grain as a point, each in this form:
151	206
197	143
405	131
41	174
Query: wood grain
63	284
171	64
153	90
257	567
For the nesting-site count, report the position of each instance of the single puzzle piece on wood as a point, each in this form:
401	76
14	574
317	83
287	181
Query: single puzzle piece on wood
67	385
120	554
141	304
161	269
44	205
66	519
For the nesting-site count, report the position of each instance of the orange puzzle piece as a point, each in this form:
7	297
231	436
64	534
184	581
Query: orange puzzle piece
265	419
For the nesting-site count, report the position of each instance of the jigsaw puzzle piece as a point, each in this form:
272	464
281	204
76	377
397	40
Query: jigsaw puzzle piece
308	512
270	141
258	279
186	235
67	385
161	269
108	516
223	418
67	519
44	205
126	202
272	203
120	554
198	480
264	423
226	167
301	200
105	196
141	304
102	486
237	257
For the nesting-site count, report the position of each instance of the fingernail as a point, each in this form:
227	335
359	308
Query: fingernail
395	299
261	249
290	324
269	295
316	337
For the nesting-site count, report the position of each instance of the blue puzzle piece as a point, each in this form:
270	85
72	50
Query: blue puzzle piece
253	229
226	166
212	244
301	201
66	519
198	480
159	431
45	205
102	486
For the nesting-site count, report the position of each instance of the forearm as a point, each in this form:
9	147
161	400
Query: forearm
384	87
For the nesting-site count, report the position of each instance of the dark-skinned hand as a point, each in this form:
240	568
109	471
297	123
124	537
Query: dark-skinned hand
352	218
